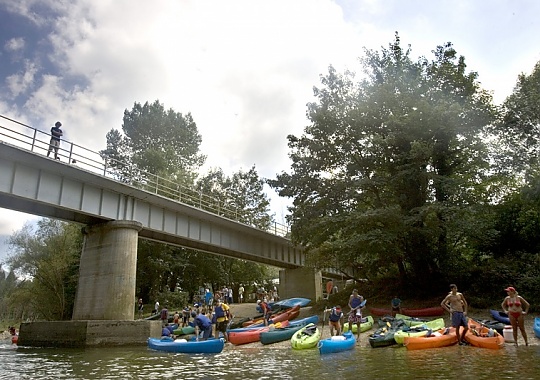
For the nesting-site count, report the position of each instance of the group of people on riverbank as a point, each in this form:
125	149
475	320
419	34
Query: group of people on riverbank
455	303
513	304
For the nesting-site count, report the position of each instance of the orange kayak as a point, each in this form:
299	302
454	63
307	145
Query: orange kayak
286	315
481	336
441	338
252	335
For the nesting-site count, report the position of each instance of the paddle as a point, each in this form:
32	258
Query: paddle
323	320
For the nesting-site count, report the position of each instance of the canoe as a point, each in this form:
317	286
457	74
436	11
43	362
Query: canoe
252	335
500	316
536	327
210	346
378	312
420	330
307	337
364	326
337	343
424	312
484	338
442	338
279	334
279	317
436	311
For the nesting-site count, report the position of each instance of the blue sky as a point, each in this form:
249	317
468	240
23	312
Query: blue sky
244	69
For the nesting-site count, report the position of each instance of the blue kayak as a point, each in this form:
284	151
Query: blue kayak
305	321
500	316
536	327
210	346
337	343
287	303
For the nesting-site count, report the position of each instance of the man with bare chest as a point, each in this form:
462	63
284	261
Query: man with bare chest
456	305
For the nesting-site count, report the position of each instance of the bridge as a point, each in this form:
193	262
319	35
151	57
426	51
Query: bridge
81	187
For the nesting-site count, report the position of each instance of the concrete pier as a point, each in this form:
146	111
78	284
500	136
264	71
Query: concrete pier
302	282
87	333
106	289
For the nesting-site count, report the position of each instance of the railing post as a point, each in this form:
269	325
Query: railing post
70	153
34	140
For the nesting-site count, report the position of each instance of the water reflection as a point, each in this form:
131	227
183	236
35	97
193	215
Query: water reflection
271	362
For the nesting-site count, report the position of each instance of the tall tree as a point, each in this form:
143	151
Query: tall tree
156	141
387	162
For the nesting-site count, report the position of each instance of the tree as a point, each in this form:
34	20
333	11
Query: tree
46	260
155	141
387	162
518	131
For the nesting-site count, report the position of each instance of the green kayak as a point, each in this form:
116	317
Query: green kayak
364	326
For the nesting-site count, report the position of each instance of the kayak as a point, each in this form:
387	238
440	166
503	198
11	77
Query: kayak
337	343
184	330
480	336
419	330
210	346
500	316
495	325
442	338
305	321
364	326
307	337
252	335
279	317
411	321
423	312
384	335
286	303
286	333
279	334
536	327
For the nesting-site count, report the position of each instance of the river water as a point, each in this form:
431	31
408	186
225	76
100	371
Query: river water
279	361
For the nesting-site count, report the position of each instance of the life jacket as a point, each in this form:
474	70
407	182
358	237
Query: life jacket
220	313
336	314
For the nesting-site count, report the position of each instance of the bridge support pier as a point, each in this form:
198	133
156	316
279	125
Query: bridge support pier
106	289
301	282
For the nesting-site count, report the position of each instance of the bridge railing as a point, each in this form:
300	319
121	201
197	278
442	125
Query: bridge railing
26	137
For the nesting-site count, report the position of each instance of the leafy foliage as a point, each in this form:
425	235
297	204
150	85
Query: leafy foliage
46	260
388	162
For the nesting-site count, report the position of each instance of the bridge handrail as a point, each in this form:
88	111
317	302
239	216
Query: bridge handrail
87	159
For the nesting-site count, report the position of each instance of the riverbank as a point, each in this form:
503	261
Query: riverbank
248	310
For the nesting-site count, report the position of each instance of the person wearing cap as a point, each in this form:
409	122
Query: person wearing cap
54	144
222	314
513	305
456	305
334	319
202	324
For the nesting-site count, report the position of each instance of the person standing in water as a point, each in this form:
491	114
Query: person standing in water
456	305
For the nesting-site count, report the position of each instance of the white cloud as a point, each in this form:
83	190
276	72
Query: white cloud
14	44
245	69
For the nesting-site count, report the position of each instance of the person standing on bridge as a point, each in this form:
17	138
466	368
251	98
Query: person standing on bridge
54	144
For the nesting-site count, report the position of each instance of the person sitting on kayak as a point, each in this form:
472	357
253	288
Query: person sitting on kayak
334	320
356	303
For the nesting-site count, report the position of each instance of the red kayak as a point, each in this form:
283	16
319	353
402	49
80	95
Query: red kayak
252	335
286	315
424	312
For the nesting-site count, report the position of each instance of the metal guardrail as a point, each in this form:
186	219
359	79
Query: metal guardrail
37	141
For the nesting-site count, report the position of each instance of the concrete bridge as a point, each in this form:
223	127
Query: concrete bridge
80	189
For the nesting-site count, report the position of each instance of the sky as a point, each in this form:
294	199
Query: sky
244	69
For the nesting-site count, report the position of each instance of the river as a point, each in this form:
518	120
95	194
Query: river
255	361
